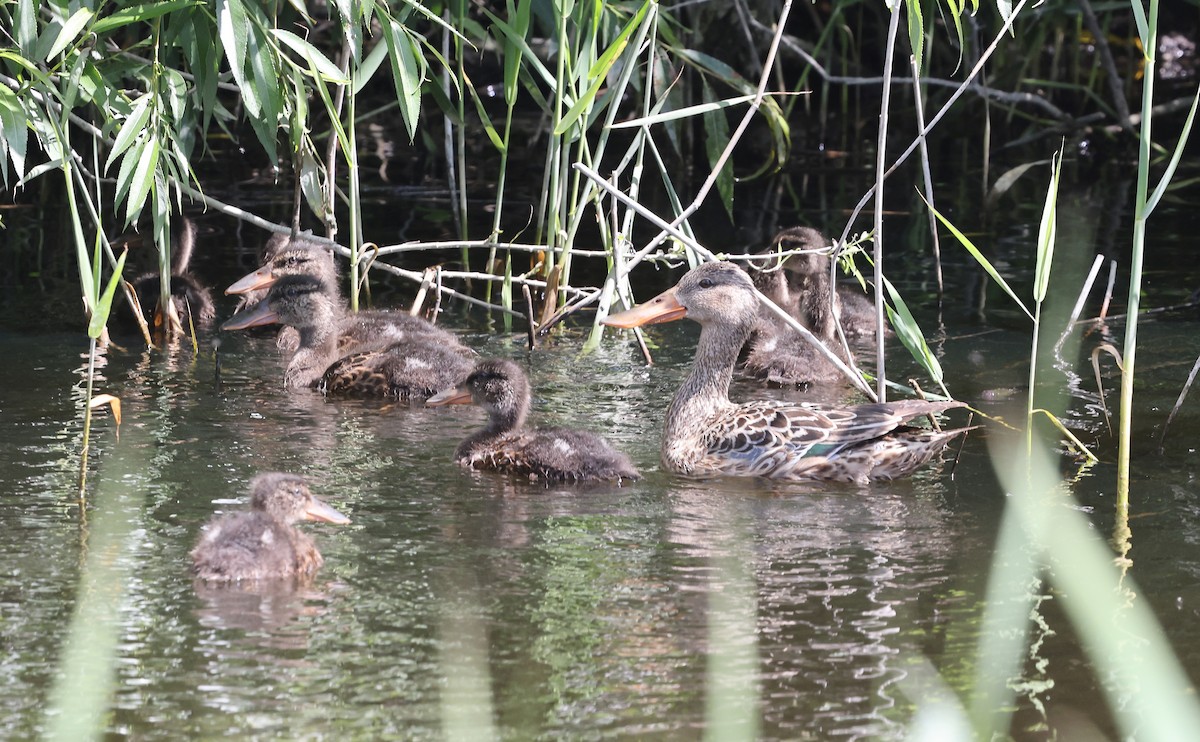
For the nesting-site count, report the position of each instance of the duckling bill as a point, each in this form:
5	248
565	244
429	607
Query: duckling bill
263	543
706	434
505	444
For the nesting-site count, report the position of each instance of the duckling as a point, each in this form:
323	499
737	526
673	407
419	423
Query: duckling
262	543
706	434
504	444
191	301
300	255
380	369
801	286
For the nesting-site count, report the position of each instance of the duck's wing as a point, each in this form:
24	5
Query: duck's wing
780	439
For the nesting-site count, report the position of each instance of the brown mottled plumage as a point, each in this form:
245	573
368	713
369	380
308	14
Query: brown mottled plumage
262	543
415	367
505	444
706	434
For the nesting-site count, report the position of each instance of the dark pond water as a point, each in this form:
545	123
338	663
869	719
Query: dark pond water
470	605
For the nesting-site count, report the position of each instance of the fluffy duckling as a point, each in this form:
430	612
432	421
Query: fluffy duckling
301	256
191	301
414	369
706	434
504	444
262	543
801	286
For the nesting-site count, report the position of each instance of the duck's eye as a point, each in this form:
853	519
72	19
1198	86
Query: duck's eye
706	283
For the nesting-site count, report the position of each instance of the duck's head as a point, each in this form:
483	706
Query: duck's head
496	385
712	293
298	301
288	257
286	498
814	261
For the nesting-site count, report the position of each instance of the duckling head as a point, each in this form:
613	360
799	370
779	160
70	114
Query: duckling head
287	498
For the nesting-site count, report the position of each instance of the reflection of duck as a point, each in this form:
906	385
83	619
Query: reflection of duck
706	434
191	301
300	256
262	543
414	368
556	454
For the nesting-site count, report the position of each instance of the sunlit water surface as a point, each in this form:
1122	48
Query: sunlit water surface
460	599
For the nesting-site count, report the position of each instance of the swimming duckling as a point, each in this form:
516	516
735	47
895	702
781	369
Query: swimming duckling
191	301
262	543
706	434
551	454
383	368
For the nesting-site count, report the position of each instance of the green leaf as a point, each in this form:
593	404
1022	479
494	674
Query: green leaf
910	334
70	31
143	177
1143	27
369	66
128	164
916	29
329	71
716	137
408	71
682	113
25	22
135	122
104	306
310	184
511	36
266	82
1004	7
13	133
1169	172
1047	231
234	24
488	127
139	13
983	262
519	18
1008	179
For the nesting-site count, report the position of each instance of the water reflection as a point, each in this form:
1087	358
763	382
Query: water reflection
463	596
263	613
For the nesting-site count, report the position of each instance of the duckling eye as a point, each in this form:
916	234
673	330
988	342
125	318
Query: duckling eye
706	283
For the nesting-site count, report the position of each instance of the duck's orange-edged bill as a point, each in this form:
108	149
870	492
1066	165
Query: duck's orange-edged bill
259	314
662	308
259	279
317	510
459	395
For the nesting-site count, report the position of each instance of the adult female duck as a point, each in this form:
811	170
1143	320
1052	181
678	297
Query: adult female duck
262	543
706	434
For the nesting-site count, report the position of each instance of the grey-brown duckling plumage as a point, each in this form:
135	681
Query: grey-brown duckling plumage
801	286
301	255
505	444
415	368
263	543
